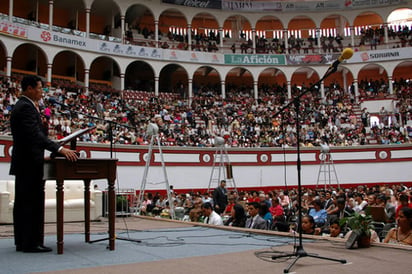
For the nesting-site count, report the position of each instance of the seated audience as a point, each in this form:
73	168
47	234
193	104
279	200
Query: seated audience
237	216
318	213
403	233
308	226
255	221
266	215
210	216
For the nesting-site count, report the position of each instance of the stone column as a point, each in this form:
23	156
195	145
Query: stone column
87	23
390	90
254	40
385	29
51	14
189	36
221	34
289	89
156	33
222	84
355	84
122	82
190	90
86	81
322	90
8	65
49	74
122	27
156	86
318	35
255	90
11	10
285	38
352	35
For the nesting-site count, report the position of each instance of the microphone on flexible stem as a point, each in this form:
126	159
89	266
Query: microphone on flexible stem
346	54
54	101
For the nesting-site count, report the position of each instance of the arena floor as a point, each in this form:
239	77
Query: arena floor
179	247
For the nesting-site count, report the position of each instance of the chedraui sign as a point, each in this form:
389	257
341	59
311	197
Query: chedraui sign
255	59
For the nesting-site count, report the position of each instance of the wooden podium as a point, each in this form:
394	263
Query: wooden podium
60	169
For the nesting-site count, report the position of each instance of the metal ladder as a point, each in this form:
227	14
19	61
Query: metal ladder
145	173
221	170
327	172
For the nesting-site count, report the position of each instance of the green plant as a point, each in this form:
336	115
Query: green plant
122	203
358	222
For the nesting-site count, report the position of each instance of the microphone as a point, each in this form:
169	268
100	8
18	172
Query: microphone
54	101
346	54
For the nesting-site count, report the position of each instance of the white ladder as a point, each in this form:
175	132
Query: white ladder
146	171
327	172
221	170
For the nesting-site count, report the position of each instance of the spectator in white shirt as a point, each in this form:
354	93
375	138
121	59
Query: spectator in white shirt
210	216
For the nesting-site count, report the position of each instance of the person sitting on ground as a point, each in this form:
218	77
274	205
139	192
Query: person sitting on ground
402	234
308	226
210	216
254	220
237	216
335	230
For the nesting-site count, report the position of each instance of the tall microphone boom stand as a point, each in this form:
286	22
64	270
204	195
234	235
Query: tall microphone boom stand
110	132
299	252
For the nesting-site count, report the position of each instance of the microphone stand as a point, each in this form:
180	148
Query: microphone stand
299	252
110	132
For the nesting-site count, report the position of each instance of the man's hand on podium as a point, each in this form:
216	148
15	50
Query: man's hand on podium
70	155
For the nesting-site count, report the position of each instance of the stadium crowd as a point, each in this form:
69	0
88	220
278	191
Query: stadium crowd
368	38
323	209
240	119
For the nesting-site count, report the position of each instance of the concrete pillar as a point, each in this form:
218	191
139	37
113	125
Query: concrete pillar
355	84
254	40
87	23
11	10
222	84
189	36
51	14
122	26
289	90
156	85
49	74
156	33
8	66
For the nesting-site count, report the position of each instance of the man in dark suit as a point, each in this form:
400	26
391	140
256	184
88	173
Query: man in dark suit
29	143
220	197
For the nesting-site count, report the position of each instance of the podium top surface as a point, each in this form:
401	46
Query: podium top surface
89	168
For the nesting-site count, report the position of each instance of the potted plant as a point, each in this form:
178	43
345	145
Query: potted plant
361	226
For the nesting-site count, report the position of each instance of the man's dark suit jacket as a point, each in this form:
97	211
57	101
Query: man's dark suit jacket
220	199
29	143
29	139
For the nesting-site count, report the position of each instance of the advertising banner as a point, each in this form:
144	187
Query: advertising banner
210	4
381	55
311	59
255	59
12	29
299	6
193	57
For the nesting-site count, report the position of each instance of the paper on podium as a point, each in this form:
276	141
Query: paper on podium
74	135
